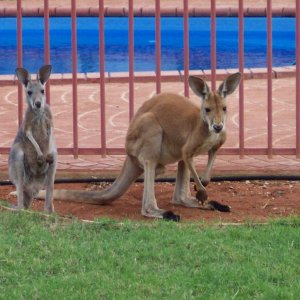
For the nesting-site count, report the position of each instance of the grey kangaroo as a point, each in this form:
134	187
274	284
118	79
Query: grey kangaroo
33	156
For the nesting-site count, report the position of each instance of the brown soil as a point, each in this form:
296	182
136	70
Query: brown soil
249	201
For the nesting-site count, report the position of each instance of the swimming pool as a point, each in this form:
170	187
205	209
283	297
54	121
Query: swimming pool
116	43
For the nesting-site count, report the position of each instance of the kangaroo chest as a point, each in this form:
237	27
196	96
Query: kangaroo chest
41	129
41	124
214	140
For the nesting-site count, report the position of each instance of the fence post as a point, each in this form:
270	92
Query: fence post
241	86
270	55
19	59
47	45
131	57
297	78
74	78
213	44
102	77
186	47
158	46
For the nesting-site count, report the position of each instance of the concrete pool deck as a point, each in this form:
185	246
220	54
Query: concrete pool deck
117	123
166	76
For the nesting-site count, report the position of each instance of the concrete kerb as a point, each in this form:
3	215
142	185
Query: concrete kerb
166	76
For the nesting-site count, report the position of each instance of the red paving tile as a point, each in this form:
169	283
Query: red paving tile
117	123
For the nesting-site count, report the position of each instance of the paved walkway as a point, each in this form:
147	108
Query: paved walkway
117	123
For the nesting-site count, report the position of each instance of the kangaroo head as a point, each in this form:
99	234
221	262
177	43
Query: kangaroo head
214	109
35	89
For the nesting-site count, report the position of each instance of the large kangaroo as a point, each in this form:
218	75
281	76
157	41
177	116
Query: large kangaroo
32	159
169	128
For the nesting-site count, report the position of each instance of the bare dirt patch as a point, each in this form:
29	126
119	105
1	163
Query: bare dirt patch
249	201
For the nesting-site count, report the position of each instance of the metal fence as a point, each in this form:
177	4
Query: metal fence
101	12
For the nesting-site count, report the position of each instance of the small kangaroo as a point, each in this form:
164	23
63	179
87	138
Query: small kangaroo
166	129
32	159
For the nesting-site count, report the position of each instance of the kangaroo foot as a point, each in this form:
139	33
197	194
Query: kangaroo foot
17	207
161	214
187	202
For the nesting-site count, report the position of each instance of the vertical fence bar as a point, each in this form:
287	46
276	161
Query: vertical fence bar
47	44
241	86
213	44
186	46
19	59
270	56
158	46
298	78
74	78
131	57
102	76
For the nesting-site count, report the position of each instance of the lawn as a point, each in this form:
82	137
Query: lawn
50	258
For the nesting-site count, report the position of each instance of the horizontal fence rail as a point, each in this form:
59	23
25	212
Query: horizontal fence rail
148	12
185	11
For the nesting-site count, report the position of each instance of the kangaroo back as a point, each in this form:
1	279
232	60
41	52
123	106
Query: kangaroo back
129	173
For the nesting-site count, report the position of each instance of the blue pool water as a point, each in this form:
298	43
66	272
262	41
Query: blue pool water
116	43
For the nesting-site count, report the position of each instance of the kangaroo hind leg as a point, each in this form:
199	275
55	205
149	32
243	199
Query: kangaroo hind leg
17	174
182	194
49	184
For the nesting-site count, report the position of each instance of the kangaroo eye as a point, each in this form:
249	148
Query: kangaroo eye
42	91
29	93
224	108
207	110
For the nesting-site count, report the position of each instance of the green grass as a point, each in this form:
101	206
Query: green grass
47	258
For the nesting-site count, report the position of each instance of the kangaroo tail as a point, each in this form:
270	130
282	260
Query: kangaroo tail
129	173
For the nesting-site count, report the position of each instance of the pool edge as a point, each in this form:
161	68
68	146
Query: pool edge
166	76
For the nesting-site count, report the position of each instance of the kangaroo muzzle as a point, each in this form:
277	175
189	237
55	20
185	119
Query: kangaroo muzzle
217	128
38	104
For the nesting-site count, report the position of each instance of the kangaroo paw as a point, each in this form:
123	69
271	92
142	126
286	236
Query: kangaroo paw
201	195
40	160
49	158
170	216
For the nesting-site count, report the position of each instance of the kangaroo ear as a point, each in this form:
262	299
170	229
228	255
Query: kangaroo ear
229	85
199	86
23	76
44	73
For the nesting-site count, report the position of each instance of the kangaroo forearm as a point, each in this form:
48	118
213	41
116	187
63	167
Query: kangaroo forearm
194	174
34	143
210	162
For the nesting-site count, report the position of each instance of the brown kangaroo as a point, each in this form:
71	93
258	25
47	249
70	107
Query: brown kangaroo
169	128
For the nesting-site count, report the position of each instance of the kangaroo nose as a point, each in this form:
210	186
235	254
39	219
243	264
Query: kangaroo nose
217	128
38	104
